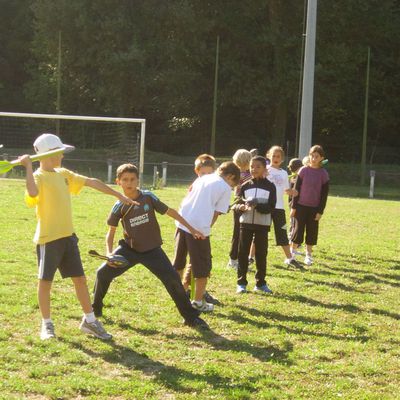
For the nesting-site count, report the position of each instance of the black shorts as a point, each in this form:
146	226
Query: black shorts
62	254
199	252
279	220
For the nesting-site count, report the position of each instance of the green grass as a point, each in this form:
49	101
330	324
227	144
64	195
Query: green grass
331	332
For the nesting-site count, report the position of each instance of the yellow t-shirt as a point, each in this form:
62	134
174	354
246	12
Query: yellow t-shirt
53	203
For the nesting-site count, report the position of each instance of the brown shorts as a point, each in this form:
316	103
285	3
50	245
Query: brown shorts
199	252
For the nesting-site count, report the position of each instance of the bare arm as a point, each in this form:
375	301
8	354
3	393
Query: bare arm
102	187
31	187
215	217
110	239
175	215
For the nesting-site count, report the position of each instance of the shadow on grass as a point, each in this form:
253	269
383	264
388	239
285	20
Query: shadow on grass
273	354
337	285
219	342
169	376
359	260
315	303
332	306
239	318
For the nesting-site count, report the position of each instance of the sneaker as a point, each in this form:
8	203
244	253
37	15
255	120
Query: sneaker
202	306
241	289
292	262
263	289
210	299
308	260
47	331
95	328
197	323
233	263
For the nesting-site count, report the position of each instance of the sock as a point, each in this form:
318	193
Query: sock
90	317
46	320
198	302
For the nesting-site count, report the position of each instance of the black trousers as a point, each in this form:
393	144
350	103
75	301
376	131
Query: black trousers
157	262
260	235
305	222
233	254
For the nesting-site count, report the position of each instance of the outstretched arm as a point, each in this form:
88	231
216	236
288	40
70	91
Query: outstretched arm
175	215
102	187
31	187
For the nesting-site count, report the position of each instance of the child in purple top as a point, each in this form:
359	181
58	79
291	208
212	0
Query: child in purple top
312	184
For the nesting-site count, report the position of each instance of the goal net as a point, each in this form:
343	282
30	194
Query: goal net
102	143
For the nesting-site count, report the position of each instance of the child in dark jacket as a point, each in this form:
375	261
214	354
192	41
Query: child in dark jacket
257	200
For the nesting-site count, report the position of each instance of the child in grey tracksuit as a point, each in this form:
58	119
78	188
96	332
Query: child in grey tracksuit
257	199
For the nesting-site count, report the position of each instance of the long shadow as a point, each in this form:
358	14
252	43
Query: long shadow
360	271
337	285
273	354
315	303
169	376
364	260
239	318
332	306
372	278
377	311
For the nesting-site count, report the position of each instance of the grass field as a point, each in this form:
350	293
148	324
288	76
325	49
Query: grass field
331	332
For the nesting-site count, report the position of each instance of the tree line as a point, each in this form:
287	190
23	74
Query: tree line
155	59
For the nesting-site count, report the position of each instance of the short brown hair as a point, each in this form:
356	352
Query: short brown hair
273	149
229	168
127	168
205	160
317	149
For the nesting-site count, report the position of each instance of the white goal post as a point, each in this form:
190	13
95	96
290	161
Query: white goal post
58	117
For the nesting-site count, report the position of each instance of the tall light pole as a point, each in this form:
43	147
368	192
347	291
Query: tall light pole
214	115
308	81
365	127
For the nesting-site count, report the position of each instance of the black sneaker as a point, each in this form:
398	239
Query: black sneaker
197	323
210	299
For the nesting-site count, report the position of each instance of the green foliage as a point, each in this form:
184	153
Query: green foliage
156	59
326	333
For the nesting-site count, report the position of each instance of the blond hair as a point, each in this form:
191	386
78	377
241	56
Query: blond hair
242	158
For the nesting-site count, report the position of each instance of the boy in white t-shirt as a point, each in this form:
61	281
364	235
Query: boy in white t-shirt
209	197
280	179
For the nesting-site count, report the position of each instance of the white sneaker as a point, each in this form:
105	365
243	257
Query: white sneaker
94	328
233	263
47	331
241	289
202	306
308	260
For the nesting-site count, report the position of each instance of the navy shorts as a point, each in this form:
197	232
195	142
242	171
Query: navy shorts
62	254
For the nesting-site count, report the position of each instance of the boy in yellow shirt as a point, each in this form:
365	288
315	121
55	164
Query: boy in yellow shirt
49	189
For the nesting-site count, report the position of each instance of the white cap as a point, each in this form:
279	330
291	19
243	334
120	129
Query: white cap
47	142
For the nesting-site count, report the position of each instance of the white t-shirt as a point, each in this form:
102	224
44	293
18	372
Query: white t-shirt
208	194
280	179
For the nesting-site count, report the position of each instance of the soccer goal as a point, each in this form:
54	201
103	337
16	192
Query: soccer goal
100	141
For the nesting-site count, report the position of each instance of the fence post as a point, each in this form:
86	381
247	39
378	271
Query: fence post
371	184
155	177
5	158
109	170
164	173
